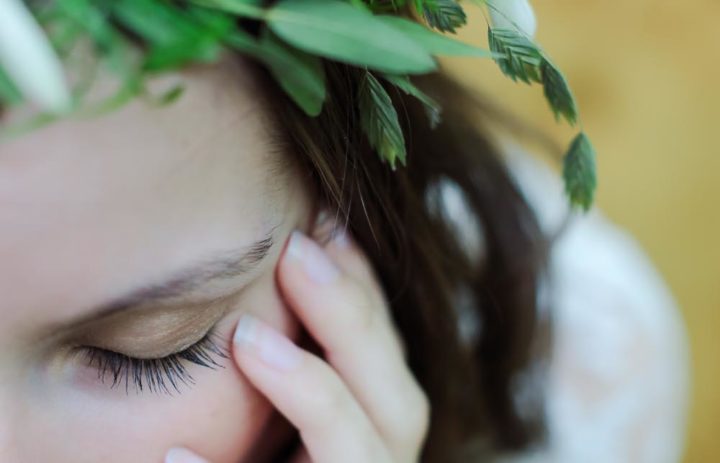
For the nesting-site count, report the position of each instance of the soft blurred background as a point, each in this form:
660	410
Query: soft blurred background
646	74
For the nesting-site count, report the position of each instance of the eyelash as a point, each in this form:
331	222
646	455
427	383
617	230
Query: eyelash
154	375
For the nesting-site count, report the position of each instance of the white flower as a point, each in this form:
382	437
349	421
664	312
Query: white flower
29	59
513	14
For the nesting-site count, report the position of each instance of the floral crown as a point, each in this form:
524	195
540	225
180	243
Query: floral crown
390	40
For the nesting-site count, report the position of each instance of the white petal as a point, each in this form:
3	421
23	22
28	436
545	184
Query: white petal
513	14
29	59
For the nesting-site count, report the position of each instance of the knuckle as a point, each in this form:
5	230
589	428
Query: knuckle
416	418
398	342
422	414
330	399
362	313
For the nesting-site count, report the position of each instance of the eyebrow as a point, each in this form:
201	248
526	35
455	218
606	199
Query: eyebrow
222	266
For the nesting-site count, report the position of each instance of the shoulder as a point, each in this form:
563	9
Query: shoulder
618	376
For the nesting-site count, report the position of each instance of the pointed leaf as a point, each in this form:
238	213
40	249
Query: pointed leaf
433	42
242	8
301	75
518	57
174	36
432	107
579	172
108	42
443	15
557	92
379	121
167	97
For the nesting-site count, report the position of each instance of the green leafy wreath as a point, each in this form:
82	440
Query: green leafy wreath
391	40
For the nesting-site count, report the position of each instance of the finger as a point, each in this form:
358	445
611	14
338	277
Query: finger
334	236
354	263
182	455
309	393
357	335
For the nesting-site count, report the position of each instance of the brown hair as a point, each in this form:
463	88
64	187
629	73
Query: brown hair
435	285
436	282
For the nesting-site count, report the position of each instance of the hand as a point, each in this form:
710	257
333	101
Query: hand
360	403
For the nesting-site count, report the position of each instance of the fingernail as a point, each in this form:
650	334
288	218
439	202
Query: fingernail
181	455
315	261
271	346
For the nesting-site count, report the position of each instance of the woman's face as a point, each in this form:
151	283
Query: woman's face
138	233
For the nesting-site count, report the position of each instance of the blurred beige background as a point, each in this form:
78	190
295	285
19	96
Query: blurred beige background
646	74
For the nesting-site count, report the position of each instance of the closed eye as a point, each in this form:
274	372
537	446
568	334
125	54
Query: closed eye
160	375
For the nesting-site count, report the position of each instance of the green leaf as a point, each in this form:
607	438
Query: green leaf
443	15
63	34
379	121
173	36
579	172
301	75
432	42
343	32
167	97
557	92
175	55
9	93
111	46
518	57
245	43
432	107
243	8
381	6
156	22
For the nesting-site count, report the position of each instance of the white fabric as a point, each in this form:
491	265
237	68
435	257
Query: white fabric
513	14
618	377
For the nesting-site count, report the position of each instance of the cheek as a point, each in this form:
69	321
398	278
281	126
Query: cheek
221	417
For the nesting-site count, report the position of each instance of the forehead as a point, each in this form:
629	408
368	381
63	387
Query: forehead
89	207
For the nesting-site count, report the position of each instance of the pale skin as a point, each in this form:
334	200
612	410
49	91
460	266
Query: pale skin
95	214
